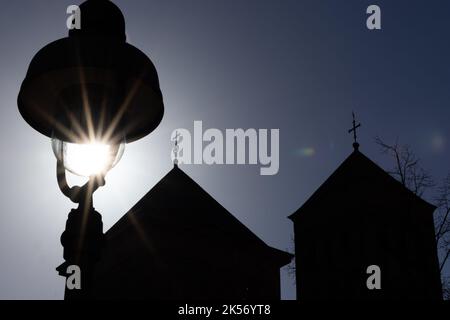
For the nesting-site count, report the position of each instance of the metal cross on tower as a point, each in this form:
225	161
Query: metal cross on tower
353	129
176	148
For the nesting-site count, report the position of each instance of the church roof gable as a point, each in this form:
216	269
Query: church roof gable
177	200
357	165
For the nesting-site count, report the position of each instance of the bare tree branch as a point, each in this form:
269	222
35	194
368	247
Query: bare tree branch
408	170
445	287
444	260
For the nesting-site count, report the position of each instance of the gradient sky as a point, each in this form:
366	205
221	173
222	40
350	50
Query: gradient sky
298	65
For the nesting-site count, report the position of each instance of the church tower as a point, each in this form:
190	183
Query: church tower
362	217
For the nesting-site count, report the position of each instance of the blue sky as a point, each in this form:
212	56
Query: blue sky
298	66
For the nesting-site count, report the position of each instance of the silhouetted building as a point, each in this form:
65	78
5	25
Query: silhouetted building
361	216
177	242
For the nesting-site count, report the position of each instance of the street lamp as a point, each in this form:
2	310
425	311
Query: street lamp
90	93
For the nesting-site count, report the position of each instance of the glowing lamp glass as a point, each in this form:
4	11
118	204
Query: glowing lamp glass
87	159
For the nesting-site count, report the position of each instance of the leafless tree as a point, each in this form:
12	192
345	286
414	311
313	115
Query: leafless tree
446	288
291	266
409	171
407	168
442	219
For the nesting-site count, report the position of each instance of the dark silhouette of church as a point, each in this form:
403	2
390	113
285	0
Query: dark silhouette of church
361	216
178	242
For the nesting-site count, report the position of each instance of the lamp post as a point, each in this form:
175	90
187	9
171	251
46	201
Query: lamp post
90	93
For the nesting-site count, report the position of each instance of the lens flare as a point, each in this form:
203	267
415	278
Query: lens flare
87	159
306	152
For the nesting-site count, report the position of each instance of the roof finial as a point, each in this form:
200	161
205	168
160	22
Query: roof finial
176	148
353	129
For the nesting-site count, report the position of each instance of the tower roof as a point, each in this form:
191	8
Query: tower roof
358	180
177	214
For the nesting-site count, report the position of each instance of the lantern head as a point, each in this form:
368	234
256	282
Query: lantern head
92	86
